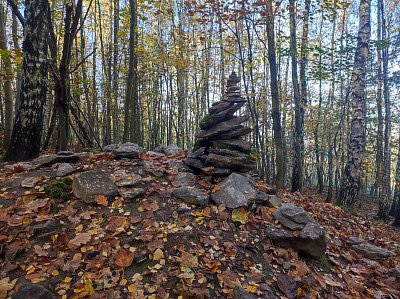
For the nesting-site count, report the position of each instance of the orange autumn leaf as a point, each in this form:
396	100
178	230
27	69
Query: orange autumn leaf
101	200
124	258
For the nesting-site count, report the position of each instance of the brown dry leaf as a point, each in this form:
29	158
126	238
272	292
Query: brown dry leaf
301	268
80	239
6	285
123	258
188	260
115	222
101	200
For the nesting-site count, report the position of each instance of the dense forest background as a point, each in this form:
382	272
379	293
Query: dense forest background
147	71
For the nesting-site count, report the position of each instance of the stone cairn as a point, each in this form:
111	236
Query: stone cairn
220	141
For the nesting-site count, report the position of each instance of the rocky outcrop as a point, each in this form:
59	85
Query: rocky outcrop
88	184
221	136
297	230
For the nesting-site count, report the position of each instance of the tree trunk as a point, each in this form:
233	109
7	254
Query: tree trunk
351	181
385	196
297	173
276	114
8	94
27	133
396	201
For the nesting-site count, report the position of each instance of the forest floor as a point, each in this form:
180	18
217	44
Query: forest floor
156	246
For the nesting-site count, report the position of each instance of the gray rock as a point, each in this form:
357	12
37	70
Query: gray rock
240	293
354	241
24	165
65	153
64	169
185	178
234	98
125	150
169	150
274	201
214	119
397	272
235	144
234	134
131	193
219	106
311	242
156	154
239	164
88	184
109	148
44	228
292	216
191	195
194	163
371	251
235	191
127	179
33	291
46	160
222	127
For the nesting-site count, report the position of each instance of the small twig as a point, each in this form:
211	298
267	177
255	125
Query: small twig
82	61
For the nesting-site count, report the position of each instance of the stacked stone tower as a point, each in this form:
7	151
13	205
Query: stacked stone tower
220	141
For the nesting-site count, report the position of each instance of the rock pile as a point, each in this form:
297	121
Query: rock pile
220	141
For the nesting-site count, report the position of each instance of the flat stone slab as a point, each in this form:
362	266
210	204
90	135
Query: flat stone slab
191	195
371	251
131	193
219	106
239	164
185	179
311	241
235	191
64	169
214	119
222	127
88	184
127	179
292	216
127	150
234	144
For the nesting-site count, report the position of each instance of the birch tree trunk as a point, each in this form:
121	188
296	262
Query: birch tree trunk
8	94
351	181
27	133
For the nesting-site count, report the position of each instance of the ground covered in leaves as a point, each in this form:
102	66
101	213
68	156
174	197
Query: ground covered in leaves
156	246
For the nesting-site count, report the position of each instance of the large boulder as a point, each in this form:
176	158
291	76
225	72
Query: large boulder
125	150
88	184
298	231
371	251
235	191
33	291
191	195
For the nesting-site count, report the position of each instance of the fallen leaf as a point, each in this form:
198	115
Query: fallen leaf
240	215
80	239
287	285
123	258
101	200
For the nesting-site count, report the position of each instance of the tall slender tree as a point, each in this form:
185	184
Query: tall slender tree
276	112
351	181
